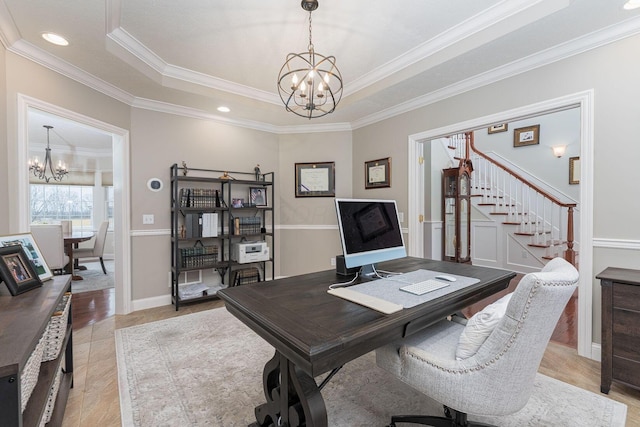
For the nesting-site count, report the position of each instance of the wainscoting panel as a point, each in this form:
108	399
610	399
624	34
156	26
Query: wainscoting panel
485	247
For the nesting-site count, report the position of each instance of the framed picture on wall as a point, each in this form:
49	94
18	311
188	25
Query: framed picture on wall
34	255
497	128
315	179
574	170
16	271
529	135
377	173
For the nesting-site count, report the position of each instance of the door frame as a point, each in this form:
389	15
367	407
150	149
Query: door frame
121	186
584	100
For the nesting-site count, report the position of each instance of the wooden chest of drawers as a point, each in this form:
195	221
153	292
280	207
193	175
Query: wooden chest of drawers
620	327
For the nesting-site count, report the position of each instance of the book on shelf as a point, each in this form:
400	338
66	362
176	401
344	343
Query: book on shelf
210	225
247	225
204	198
198	256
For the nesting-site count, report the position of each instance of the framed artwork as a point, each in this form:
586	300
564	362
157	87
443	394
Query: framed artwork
377	173
237	203
34	255
258	196
497	128
574	170
529	135
315	179
16	271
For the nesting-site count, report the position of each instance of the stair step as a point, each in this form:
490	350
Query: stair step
525	233
552	257
545	245
486	204
498	213
451	147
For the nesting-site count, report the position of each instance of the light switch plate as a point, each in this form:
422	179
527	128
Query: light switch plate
148	219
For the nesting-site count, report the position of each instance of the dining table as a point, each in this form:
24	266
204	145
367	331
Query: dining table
71	241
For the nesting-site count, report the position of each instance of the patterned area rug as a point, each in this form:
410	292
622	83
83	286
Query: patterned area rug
205	369
94	278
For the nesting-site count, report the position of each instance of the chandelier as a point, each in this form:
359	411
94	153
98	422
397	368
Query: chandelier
310	84
40	169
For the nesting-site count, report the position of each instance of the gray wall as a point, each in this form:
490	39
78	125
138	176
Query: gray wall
306	233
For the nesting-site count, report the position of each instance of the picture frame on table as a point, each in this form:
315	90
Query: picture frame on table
16	270
315	179
27	241
574	170
258	196
503	127
237	203
529	135
377	173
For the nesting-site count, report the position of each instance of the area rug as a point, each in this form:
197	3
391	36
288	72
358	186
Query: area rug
94	278
205	369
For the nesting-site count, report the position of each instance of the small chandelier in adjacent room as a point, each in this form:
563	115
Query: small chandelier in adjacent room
40	169
310	84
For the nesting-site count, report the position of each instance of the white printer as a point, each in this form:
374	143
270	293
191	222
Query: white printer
246	252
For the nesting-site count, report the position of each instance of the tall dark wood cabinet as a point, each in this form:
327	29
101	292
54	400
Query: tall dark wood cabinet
212	211
456	214
24	319
620	358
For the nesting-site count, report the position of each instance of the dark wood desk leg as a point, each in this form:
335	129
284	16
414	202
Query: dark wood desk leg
293	398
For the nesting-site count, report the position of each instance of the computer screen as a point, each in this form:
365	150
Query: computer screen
370	232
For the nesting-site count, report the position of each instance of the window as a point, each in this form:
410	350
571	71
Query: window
54	203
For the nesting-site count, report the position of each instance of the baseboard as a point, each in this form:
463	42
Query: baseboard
153	302
596	351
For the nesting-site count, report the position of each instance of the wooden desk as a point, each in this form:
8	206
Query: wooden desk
314	332
70	241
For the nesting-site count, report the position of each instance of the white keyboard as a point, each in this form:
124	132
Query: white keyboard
374	303
422	288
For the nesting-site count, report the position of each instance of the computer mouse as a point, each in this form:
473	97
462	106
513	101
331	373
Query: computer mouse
445	277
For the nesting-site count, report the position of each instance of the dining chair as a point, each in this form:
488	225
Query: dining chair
50	241
97	251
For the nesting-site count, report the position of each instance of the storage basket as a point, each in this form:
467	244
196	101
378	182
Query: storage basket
30	372
56	329
53	394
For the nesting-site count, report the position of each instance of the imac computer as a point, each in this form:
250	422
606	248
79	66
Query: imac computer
370	232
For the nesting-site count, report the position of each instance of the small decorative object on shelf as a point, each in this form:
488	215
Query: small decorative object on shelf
185	171
210	216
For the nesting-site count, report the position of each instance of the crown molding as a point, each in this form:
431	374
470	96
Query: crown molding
464	30
566	50
41	57
597	39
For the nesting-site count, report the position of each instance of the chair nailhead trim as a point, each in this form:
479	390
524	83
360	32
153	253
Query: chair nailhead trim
512	339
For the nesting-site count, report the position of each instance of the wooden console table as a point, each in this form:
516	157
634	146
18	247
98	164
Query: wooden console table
620	332
23	320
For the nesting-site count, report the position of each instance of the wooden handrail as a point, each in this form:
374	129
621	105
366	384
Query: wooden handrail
569	254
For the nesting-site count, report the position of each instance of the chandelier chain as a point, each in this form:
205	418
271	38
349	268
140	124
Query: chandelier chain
310	42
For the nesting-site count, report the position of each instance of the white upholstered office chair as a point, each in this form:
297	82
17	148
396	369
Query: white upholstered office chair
50	241
97	250
498	378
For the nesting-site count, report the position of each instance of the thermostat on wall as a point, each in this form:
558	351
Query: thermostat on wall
154	184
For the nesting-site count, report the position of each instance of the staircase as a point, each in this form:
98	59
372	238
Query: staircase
529	213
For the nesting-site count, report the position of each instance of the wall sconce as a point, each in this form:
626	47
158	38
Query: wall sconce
559	150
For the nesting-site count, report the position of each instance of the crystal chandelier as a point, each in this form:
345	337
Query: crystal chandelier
310	84
40	169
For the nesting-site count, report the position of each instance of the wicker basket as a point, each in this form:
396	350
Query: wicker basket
53	394
56	329
29	375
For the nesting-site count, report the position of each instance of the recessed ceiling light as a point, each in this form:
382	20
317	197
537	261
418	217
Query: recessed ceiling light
632	4
224	109
55	39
